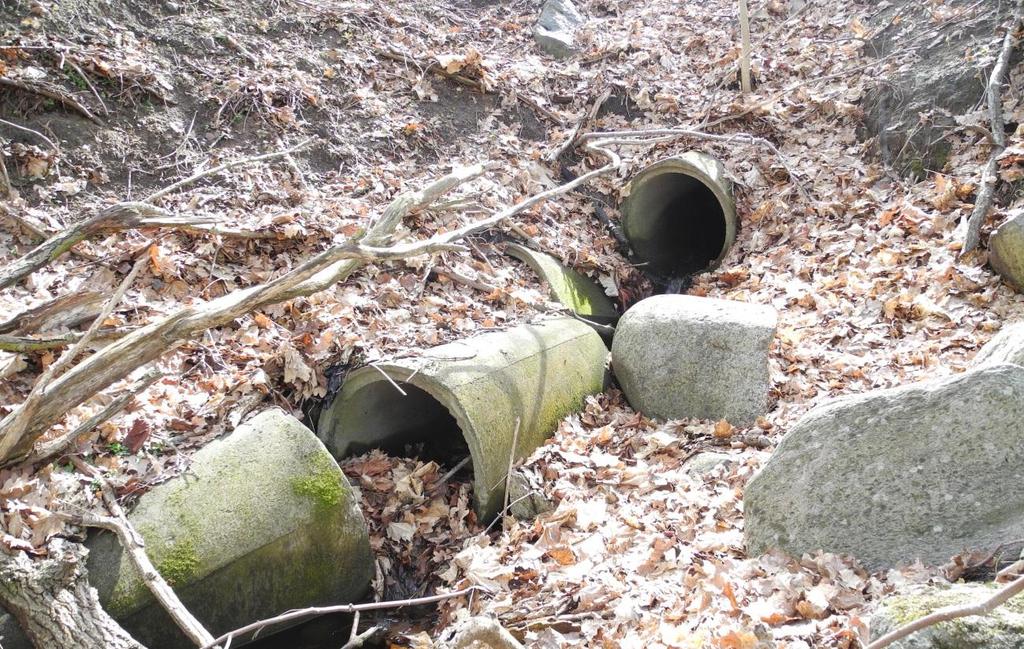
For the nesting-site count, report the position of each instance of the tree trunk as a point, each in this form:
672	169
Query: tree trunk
53	602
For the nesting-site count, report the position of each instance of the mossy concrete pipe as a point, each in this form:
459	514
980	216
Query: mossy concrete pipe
262	522
679	215
490	390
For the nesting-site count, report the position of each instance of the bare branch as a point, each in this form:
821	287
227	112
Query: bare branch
298	614
121	216
989	177
134	546
951	613
66	100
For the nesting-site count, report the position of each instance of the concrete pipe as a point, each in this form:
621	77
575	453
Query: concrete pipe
483	392
679	215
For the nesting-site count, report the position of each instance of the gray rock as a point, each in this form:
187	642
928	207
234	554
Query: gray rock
683	356
1006	251
264	521
526	499
943	82
556	28
1003	628
1007	346
704	463
921	471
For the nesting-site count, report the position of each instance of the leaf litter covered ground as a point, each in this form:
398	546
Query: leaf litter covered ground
636	551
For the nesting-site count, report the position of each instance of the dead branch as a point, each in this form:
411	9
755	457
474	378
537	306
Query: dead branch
66	100
45	451
21	419
134	546
951	613
19	344
150	342
121	216
39	591
64	311
339	608
989	177
5	179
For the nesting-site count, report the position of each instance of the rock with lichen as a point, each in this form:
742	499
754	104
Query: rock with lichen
556	28
1001	629
263	521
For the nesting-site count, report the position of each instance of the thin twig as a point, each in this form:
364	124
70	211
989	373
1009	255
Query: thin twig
223	167
951	613
390	380
49	449
340	608
511	463
989	177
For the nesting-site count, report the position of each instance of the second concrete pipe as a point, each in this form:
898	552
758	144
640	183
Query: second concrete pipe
492	391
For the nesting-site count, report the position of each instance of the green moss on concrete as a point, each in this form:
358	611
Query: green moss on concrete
323	485
181	563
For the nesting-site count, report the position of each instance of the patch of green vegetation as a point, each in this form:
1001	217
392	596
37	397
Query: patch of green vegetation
322	485
181	563
117	448
76	79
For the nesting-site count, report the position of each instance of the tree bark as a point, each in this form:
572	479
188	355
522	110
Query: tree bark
53	602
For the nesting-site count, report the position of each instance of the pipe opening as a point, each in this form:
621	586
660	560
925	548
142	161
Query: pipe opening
676	225
411	425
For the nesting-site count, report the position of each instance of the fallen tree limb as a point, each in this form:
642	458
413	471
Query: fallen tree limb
64	311
50	449
40	592
134	547
989	176
22	418
122	216
298	614
33	132
20	344
951	613
148	343
65	100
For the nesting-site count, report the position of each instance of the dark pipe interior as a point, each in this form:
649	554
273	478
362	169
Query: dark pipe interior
411	425
676	225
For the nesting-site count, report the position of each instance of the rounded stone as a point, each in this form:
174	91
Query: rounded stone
679	356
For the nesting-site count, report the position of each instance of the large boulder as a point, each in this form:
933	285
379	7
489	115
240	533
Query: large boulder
1003	628
679	356
556	28
1006	251
1007	346
921	471
262	522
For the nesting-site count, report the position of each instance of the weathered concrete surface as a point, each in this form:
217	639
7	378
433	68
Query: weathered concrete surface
263	521
568	287
481	387
679	214
681	356
1001	629
555	32
1007	346
1006	251
921	471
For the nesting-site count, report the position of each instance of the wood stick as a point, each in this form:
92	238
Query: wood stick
46	451
745	51
65	100
951	613
989	176
340	608
26	411
134	546
20	344
121	216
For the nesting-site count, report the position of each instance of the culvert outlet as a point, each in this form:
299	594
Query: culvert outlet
474	391
679	215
